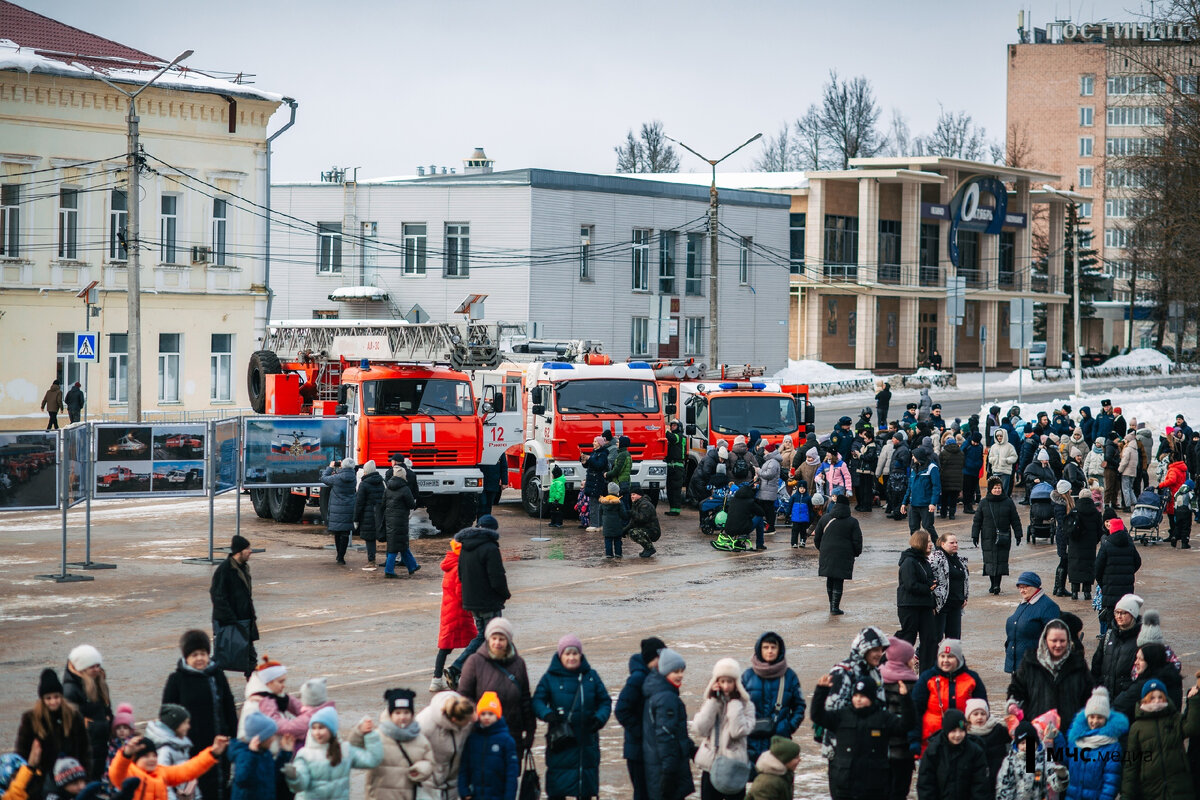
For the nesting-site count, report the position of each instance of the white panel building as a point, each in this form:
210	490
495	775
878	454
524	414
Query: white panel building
612	258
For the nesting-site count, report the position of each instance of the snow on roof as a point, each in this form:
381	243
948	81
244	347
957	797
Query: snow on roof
359	293
768	181
119	70
811	372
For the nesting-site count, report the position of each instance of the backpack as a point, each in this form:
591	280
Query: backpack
740	469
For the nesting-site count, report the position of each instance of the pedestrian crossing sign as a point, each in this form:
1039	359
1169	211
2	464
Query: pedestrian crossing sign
85	347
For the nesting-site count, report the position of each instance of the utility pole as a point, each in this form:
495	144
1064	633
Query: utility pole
133	268
1077	357
713	297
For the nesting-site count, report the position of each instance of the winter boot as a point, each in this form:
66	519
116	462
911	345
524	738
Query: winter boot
1060	581
1087	592
835	603
1074	591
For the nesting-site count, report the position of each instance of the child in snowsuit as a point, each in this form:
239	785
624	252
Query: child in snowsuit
321	770
801	513
1016	781
407	755
1094	750
557	496
139	759
860	769
613	520
254	767
953	766
776	769
489	767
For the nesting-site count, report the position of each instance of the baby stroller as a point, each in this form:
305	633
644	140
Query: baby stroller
1148	516
1041	513
711	509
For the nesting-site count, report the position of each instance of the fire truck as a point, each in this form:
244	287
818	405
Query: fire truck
404	387
567	394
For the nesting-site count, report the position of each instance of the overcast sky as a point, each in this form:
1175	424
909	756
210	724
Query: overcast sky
386	86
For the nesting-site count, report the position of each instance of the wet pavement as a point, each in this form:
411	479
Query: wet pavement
367	634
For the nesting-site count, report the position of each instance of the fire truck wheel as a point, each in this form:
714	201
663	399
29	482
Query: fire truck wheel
258	499
262	364
531	492
285	506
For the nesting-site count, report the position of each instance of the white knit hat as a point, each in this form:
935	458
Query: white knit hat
726	668
1130	604
348	461
1151	632
85	656
1098	703
1063	488
368	467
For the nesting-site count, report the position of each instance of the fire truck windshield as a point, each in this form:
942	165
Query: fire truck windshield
601	396
435	397
766	413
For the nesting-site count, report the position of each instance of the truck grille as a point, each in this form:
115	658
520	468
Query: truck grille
430	456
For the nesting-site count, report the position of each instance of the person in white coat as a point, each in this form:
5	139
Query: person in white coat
1002	457
446	723
723	725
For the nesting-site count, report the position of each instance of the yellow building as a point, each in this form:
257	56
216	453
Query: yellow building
64	209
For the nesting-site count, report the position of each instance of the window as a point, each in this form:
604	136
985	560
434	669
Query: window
744	260
968	257
1087	85
220	367
1135	116
67	371
1086	116
458	251
693	336
325	313
1117	238
168	367
10	220
1007	258
641	260
889	251
1085	209
118	368
1085	146
1130	146
220	227
841	246
329	248
1187	84
1135	84
585	252
414	248
929	253
1085	177
666	262
796	242
68	223
1117	207
694	281
639	336
168	229
118	221
1121	178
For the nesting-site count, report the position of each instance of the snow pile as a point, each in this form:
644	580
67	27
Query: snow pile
1155	407
811	372
1142	357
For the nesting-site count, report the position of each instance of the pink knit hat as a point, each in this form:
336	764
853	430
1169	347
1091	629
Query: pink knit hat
124	716
570	640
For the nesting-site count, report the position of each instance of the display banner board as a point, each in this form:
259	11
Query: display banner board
225	455
291	451
29	471
139	460
77	441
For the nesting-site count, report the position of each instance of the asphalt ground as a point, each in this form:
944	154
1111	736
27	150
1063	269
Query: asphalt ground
367	634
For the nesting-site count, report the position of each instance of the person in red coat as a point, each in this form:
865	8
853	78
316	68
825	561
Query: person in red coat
1174	478
456	628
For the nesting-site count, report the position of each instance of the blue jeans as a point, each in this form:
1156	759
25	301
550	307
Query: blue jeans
406	558
612	546
482	618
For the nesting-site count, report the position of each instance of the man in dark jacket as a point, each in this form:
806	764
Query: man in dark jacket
666	747
233	606
897	482
1062	424
643	528
936	421
1052	676
1112	663
630	708
924	492
74	402
842	438
341	482
1023	628
1103	424
864	457
676	464
909	418
1087	424
951	473
398	504
883	401
1112	460
864	421
484	584
972	454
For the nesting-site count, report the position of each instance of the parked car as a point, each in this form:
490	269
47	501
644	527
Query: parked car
1037	355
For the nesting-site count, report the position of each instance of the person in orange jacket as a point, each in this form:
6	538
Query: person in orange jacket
139	759
69	779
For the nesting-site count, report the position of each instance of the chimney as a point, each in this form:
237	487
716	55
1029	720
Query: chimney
477	163
421	172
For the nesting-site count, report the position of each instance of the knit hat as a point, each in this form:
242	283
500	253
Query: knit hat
977	704
954	720
1115	524
1153	685
993	482
1130	604
1098	703
260	725
570	640
899	651
398	699
1063	488
84	656
784	749
314	692
1151	632
1024	730
194	640
499	625
1029	578
768	448
48	683
726	668
866	686
614	488
650	647
145	747
124	716
669	661
1043	455
173	715
490	702
1085	493
237	544
66	771
270	670
349	461
841	497
954	648
739	440
1073	622
328	717
489	522
368	467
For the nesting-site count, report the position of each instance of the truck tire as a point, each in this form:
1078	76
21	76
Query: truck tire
262	364
531	492
285	506
451	513
262	506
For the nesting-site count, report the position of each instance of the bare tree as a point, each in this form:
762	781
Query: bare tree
1018	152
631	156
647	152
810	149
900	141
777	154
850	118
956	136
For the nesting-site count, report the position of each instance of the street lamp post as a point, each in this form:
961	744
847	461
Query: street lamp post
1077	354
133	269
713	305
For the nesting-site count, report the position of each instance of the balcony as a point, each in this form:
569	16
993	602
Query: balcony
973	278
1007	279
1039	283
930	276
889	273
841	272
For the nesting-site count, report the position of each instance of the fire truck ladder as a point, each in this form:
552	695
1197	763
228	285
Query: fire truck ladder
461	345
568	350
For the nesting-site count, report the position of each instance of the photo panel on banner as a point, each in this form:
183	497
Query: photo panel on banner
137	460
225	454
292	451
75	440
28	470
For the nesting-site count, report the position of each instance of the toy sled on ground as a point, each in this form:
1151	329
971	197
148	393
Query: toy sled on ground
1041	513
731	544
712	508
1148	516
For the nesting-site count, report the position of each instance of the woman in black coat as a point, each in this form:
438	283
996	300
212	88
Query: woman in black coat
1116	565
594	484
398	503
1081	551
1151	663
198	684
368	509
996	527
839	541
952	476
915	603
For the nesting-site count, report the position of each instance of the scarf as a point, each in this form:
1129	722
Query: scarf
1151	707
985	728
394	731
768	672
1094	741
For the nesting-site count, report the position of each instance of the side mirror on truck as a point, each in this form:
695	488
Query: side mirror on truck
537	400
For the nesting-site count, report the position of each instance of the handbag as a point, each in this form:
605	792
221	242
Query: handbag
766	726
1003	537
531	784
559	737
232	648
727	775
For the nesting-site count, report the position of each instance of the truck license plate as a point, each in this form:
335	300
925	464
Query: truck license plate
427	484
